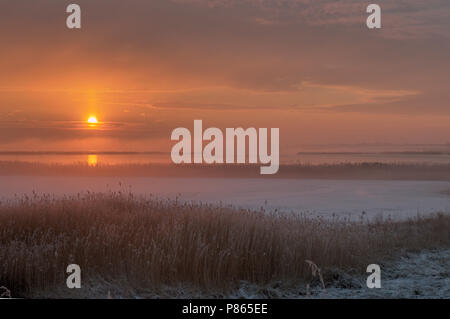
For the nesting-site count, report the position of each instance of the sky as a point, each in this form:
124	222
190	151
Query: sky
309	67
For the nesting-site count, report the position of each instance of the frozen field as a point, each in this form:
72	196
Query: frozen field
415	275
397	199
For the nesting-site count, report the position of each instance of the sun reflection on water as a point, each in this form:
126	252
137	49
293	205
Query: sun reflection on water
92	160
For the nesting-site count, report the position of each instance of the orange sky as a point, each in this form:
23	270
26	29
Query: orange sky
143	68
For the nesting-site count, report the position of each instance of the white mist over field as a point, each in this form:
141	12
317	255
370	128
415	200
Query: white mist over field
344	198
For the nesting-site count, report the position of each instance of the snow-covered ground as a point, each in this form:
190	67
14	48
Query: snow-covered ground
421	275
415	275
397	199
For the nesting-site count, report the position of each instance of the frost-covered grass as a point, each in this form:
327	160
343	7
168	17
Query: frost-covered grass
151	244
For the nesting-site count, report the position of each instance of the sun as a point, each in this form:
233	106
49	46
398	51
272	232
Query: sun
92	120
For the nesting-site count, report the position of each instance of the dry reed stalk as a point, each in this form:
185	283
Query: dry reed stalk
315	271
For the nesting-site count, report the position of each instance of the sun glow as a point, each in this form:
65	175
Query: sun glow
92	120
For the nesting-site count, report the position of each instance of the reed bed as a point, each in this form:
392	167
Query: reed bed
149	242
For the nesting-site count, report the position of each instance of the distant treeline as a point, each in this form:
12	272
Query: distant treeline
381	171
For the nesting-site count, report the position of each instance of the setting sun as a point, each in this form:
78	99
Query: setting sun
92	120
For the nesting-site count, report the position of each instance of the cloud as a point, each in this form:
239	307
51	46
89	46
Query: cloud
13	131
307	97
401	18
166	61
